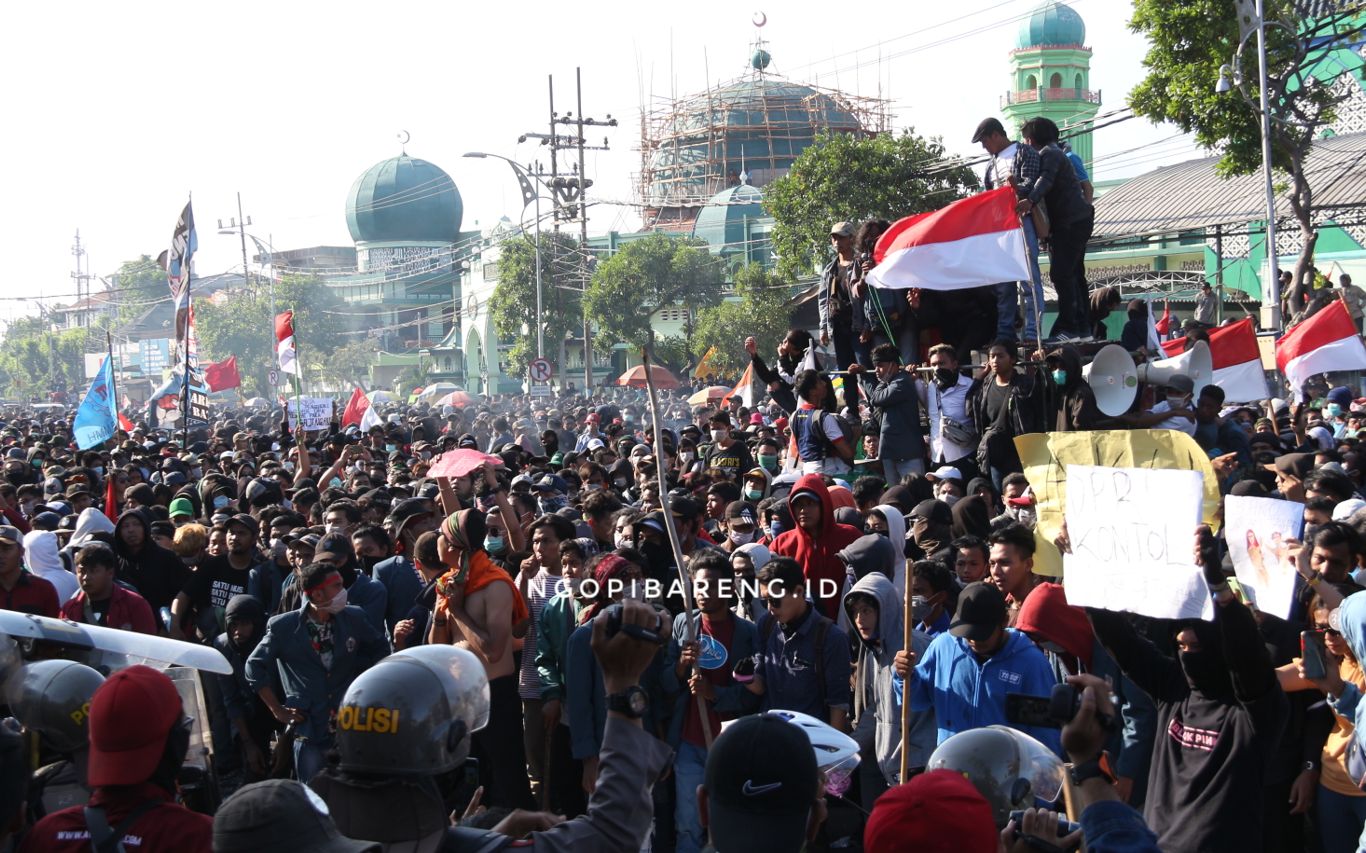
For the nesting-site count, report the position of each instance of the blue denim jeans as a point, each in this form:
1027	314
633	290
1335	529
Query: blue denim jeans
690	770
1340	819
309	756
1008	294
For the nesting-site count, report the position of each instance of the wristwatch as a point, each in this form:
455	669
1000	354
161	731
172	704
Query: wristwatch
631	702
1098	766
1311	764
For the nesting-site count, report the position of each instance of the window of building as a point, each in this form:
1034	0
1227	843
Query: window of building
1078	82
1031	82
1055	82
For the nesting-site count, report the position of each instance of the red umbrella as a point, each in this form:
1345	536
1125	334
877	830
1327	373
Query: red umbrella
459	399
636	377
459	462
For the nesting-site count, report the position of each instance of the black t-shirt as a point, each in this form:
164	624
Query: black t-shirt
211	587
731	461
996	399
98	611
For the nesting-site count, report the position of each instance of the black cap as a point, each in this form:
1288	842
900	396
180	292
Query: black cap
279	816
988	127
761	783
981	610
405	511
241	519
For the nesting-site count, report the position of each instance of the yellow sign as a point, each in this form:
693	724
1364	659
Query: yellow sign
381	721
1045	457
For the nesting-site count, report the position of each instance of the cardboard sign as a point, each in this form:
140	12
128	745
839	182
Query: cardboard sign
1257	530
317	413
1132	532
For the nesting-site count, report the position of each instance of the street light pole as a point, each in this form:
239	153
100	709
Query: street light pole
1273	288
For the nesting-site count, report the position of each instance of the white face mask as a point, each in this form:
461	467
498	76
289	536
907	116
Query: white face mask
622	541
1177	402
738	538
686	457
949	499
718	435
336	605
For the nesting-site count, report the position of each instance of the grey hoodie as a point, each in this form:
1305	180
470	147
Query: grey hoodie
877	713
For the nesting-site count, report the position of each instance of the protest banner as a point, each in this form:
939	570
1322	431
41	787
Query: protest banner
1257	530
1046	457
1132	532
317	413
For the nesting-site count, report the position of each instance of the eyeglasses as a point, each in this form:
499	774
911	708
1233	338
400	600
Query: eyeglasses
773	601
1329	630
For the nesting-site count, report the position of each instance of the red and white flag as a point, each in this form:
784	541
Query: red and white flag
1237	361
284	343
1325	343
750	390
355	409
973	242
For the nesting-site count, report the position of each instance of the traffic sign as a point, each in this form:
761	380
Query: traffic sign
541	390
540	370
274	377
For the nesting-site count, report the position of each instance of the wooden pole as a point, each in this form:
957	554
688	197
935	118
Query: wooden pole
689	602
906	633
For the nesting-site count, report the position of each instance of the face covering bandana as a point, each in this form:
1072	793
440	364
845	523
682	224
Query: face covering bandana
738	538
920	608
336	604
945	377
1060	377
549	505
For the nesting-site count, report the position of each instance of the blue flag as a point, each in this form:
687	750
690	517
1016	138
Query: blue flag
98	416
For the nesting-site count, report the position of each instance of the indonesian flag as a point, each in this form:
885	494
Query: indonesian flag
1325	343
1237	361
356	409
125	424
370	418
1164	325
222	375
284	342
971	243
748	388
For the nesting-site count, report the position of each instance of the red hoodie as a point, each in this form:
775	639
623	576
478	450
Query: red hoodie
818	557
1047	614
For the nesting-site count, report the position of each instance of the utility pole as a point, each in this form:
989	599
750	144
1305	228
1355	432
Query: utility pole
82	279
569	192
240	225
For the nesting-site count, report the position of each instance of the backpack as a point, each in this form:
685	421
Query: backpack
822	629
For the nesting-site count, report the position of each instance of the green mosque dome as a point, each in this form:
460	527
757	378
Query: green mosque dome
404	199
1052	24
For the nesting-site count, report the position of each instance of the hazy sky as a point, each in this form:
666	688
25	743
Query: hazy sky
116	111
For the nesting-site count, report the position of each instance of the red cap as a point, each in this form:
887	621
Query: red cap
936	812
593	418
780	423
756	419
130	716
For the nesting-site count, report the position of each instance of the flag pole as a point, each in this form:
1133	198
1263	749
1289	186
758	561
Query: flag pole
298	372
185	377
113	378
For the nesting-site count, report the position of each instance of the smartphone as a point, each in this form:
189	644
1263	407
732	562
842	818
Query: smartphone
1025	710
1314	654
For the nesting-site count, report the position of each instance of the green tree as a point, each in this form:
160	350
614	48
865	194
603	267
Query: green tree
240	323
1189	43
349	363
841	178
35	361
671	351
654	272
137	286
762	311
513	304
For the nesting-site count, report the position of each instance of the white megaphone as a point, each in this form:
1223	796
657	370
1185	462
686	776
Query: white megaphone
1196	362
1113	380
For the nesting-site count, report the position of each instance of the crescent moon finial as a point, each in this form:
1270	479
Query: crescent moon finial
760	19
403	137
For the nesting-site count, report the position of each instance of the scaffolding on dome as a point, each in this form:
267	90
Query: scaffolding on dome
693	148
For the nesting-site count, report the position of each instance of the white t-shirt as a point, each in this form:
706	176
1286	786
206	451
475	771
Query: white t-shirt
1184	425
1003	165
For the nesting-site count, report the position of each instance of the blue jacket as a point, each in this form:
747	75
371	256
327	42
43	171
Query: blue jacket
967	694
585	696
789	670
370	596
898	406
1110	826
401	585
288	648
264	583
733	701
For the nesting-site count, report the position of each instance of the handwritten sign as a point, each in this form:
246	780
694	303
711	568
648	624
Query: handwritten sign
317	413
1133	532
1047	457
1257	530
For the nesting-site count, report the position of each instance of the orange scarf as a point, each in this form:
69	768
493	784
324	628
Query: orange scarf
482	572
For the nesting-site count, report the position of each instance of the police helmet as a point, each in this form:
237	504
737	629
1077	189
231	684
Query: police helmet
412	713
52	697
1011	769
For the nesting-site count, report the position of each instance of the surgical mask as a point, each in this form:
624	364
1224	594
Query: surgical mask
621	541
1060	377
949	499
768	463
775	528
619	482
337	604
686	457
945	377
336	483
220	501
390	448
1334	410
494	544
738	538
718	435
754	494
1177	402
37	463
98	470
920	608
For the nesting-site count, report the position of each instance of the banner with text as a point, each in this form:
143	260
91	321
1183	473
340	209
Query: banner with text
1132	532
1257	531
317	413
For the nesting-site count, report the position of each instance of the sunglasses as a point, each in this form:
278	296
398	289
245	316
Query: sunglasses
1328	630
772	601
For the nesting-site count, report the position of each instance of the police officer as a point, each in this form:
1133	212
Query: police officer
403	730
53	699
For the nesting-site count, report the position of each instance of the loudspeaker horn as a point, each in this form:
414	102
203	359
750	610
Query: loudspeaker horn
1113	379
1196	362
